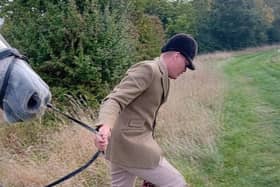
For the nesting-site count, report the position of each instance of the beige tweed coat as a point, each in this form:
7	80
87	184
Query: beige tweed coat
131	110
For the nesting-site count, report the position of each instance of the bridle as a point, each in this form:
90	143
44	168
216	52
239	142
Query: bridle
11	52
6	53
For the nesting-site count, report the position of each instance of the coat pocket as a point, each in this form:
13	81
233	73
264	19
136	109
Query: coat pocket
136	124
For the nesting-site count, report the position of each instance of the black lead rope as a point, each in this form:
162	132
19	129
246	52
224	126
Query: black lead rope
76	171
95	131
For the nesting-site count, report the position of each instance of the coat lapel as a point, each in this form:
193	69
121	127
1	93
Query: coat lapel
164	80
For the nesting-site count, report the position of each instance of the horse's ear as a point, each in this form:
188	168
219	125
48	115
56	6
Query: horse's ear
2	20
3	42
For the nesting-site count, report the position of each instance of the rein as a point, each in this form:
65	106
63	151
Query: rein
5	54
78	170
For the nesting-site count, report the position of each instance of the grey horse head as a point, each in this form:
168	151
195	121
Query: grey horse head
26	94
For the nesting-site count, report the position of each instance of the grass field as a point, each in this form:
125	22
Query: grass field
220	128
248	147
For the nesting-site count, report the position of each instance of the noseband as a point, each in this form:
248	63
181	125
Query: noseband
9	52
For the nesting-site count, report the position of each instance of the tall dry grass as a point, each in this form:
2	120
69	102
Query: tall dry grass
53	156
188	125
189	122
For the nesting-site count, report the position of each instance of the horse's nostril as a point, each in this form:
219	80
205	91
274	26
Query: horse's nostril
34	102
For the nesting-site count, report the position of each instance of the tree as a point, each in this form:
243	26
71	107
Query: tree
274	32
206	41
237	24
150	37
275	6
184	19
78	46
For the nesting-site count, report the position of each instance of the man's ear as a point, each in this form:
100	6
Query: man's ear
176	55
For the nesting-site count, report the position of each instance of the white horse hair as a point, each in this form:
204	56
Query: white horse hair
26	94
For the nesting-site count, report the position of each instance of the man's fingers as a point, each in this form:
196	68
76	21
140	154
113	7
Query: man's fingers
105	131
102	147
101	142
101	138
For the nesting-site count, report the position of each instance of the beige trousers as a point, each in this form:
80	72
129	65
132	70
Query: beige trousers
164	175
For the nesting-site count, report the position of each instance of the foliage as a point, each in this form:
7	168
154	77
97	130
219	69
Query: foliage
275	6
205	38
84	47
237	24
274	31
151	36
184	20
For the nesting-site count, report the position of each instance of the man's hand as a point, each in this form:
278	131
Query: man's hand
102	138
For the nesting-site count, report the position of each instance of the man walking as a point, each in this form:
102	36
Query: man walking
127	117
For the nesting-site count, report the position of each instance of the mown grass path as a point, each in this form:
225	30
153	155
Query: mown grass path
249	146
